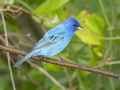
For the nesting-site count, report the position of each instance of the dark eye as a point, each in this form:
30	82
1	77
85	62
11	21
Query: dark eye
74	25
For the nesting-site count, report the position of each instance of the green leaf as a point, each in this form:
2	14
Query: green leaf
72	8
93	26
62	14
49	6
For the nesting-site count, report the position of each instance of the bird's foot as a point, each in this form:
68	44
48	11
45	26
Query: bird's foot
60	60
44	58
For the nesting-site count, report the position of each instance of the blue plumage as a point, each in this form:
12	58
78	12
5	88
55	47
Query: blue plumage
54	41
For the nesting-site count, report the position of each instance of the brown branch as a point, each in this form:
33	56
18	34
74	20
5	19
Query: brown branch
66	64
19	9
15	8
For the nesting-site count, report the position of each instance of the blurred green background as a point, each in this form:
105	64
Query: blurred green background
98	45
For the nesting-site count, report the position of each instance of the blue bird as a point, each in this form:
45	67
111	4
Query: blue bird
54	41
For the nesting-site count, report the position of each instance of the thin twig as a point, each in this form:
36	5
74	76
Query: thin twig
47	74
66	64
19	9
68	78
32	80
102	38
112	62
8	55
104	13
112	12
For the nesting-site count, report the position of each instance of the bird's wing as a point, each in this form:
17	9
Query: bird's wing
50	38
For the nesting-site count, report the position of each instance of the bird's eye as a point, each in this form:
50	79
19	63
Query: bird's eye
74	25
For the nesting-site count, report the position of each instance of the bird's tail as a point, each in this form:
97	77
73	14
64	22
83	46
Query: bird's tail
23	59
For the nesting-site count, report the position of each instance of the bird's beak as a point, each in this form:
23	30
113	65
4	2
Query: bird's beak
79	28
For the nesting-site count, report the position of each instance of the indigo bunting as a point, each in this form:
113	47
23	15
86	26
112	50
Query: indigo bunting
54	41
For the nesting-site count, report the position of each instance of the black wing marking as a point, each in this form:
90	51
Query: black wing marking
47	41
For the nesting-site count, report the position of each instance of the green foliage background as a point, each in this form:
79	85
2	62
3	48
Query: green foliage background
98	45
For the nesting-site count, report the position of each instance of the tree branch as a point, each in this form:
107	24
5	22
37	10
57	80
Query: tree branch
62	63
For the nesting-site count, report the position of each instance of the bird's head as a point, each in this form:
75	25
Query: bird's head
73	24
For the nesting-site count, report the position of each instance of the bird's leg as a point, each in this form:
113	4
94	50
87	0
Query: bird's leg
59	59
44	57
